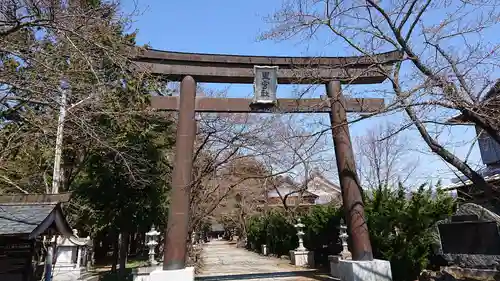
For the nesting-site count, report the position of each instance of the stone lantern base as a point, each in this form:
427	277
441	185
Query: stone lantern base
302	258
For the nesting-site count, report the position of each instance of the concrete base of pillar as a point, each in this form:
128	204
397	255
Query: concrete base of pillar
143	273
186	274
375	270
302	258
334	265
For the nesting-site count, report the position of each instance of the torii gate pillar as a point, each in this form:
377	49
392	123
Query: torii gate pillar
349	182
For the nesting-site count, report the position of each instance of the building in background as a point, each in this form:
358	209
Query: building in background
490	156
316	190
31	224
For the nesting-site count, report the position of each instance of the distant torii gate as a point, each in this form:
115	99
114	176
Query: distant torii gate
190	68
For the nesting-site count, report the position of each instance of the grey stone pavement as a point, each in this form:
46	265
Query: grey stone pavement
224	261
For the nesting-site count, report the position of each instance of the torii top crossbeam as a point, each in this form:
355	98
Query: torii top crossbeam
216	68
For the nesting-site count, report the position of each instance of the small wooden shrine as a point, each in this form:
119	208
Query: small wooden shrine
25	220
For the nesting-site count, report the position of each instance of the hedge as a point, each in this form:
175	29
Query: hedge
399	225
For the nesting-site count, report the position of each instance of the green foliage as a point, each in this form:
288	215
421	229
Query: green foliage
256	231
400	228
322	231
274	230
122	186
114	150
277	231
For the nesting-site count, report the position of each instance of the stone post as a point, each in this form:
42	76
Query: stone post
193	238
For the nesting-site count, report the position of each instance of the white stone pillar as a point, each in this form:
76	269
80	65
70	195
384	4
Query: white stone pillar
78	256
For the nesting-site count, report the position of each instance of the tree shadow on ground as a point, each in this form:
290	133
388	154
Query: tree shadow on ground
320	276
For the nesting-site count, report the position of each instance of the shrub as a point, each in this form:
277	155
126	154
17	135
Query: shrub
400	228
281	236
274	230
277	231
322	232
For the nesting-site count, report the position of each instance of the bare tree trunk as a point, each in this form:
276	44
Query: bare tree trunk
101	247
124	242
133	243
450	158
116	247
56	177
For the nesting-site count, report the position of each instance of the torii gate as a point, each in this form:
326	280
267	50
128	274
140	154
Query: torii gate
190	68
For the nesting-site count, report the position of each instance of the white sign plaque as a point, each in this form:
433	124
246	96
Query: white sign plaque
265	84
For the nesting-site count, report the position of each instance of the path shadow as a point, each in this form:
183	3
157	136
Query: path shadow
312	274
317	276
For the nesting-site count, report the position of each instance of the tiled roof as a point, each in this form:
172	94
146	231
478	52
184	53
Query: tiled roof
22	218
317	186
282	191
490	174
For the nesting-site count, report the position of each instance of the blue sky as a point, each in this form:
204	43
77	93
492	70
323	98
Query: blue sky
228	26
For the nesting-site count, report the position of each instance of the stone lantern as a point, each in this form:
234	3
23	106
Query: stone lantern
152	241
301	256
300	234
345	254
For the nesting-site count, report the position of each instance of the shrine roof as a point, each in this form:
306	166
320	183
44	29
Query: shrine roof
21	215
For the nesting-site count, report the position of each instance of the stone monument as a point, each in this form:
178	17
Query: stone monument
468	243
301	256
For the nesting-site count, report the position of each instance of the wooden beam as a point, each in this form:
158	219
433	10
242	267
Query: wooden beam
214	68
229	74
281	61
242	105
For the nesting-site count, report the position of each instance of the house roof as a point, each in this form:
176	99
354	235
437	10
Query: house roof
317	186
287	190
20	216
320	185
489	179
217	227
